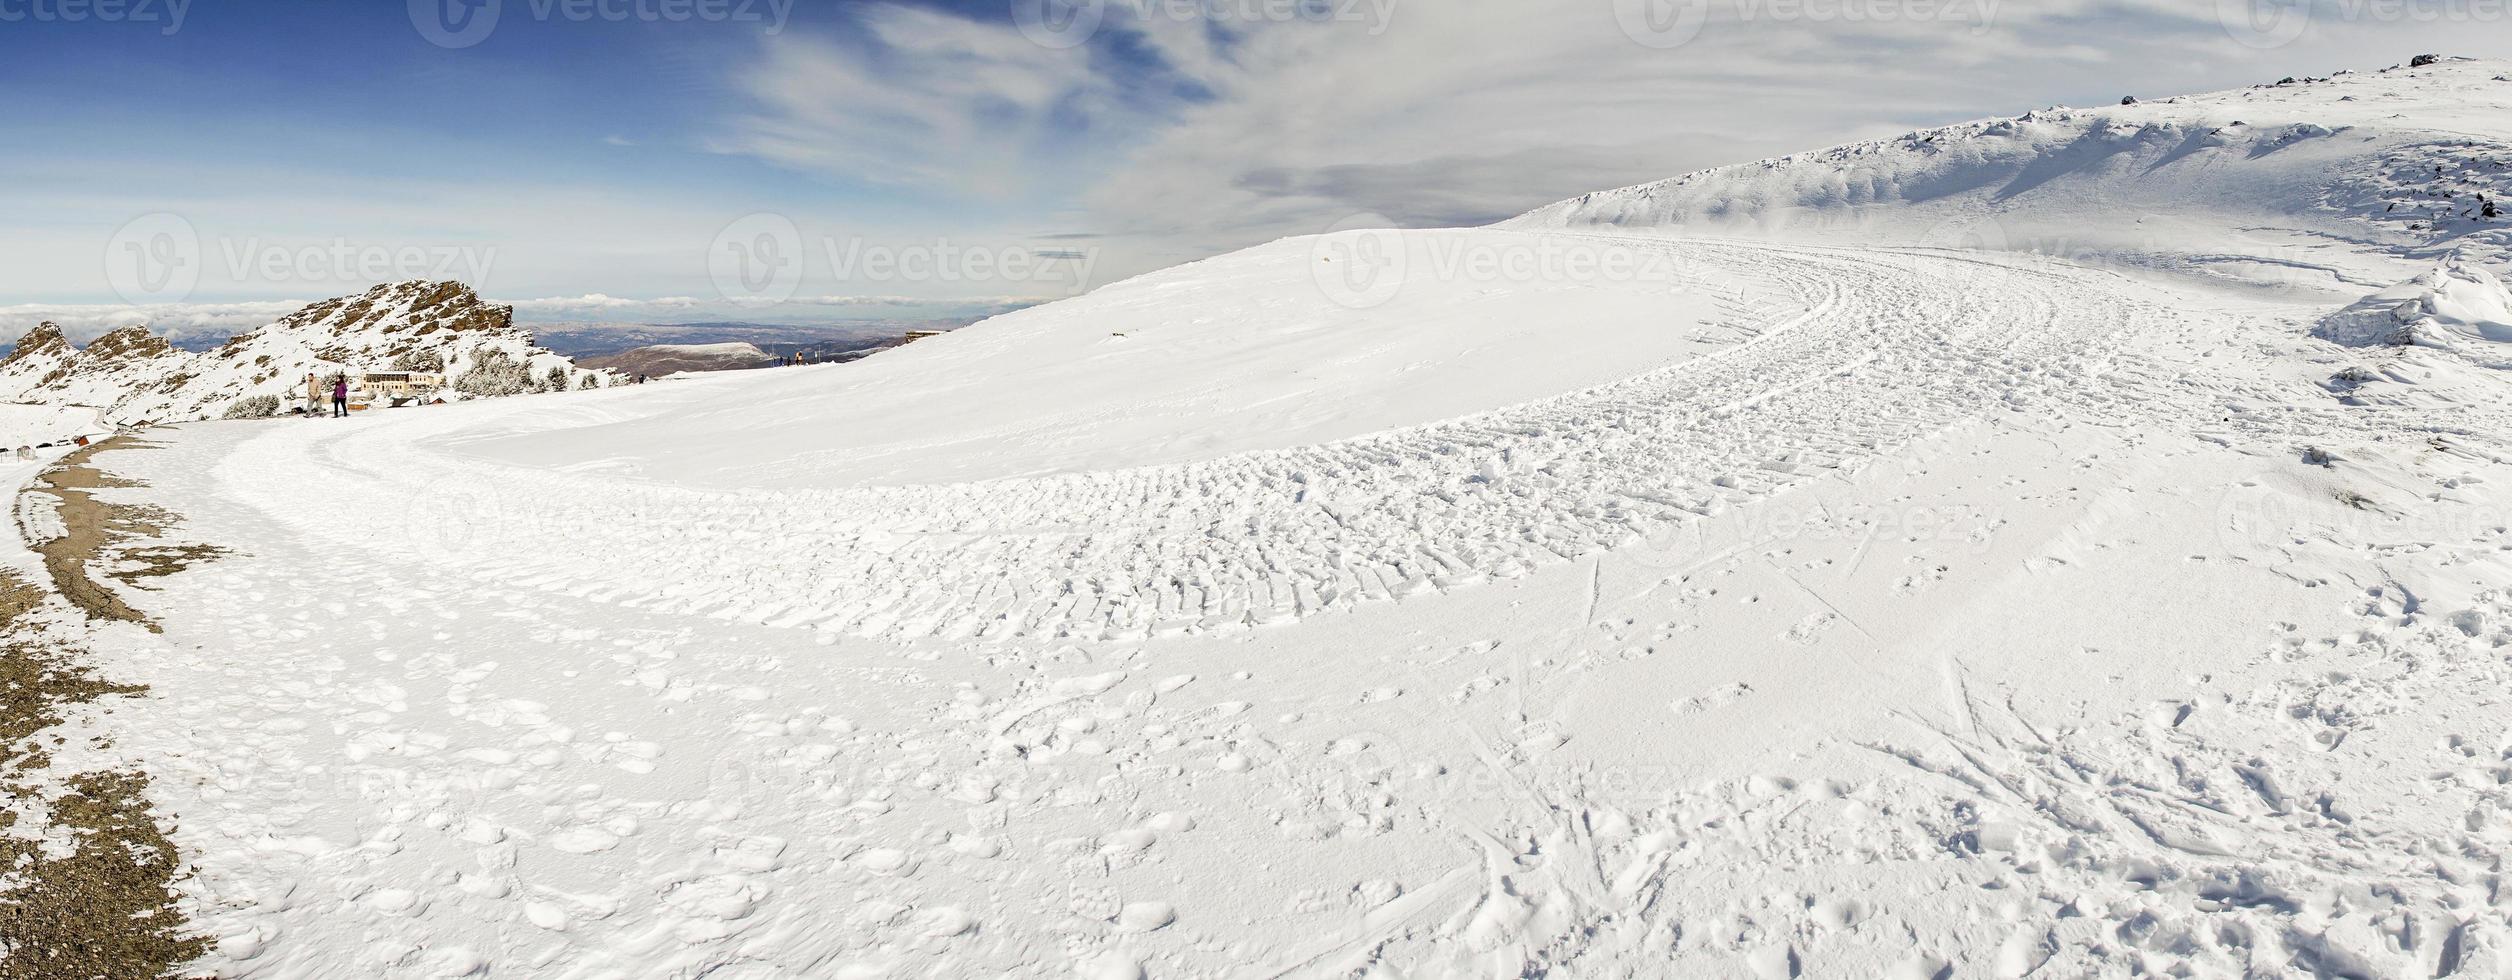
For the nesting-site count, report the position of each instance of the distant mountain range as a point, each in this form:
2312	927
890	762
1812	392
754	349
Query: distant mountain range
659	360
819	342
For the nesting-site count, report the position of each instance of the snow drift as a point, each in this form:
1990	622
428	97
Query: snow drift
2457	307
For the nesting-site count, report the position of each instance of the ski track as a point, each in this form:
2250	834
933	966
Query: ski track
1861	356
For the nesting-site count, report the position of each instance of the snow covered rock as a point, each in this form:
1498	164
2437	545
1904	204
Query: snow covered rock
136	376
2459	306
38	357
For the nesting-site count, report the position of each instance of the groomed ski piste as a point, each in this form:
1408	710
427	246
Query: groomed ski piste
1792	570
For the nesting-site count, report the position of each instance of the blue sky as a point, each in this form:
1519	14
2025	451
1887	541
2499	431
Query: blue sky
596	160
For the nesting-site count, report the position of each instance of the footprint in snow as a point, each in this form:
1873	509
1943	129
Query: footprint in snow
583	840
1812	628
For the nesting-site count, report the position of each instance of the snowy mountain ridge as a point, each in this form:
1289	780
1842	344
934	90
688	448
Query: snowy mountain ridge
2342	182
135	376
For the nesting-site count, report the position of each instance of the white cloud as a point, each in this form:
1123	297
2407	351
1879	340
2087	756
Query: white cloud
86	322
922	98
1470	110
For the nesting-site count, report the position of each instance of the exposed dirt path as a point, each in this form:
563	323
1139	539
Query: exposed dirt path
88	871
95	527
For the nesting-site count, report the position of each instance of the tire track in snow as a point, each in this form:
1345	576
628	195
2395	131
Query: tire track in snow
1881	349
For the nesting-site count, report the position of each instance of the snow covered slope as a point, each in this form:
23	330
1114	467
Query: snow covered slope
1264	349
2353	179
33	425
1862	607
135	376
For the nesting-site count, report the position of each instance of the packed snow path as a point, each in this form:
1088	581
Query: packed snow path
1866	352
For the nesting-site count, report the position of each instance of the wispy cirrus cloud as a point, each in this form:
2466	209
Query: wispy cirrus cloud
1464	111
929	99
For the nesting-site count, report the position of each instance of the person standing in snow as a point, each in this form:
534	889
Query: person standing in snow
340	396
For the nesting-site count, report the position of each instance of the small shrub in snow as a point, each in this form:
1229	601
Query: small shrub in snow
255	407
494	372
424	361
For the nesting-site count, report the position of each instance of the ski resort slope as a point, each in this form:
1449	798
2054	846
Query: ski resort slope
1192	363
1844	609
1970	616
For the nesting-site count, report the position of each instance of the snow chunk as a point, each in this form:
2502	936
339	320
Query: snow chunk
2458	307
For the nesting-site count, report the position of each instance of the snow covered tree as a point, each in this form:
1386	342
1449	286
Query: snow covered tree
494	372
419	360
255	407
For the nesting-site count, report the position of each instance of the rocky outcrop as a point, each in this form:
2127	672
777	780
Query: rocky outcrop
136	376
45	340
40	357
126	344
